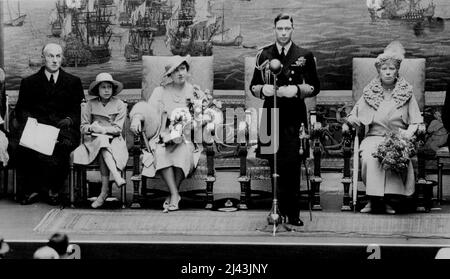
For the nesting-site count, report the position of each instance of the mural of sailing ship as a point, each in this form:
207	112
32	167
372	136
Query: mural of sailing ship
86	31
14	20
227	36
56	18
147	21
400	9
191	28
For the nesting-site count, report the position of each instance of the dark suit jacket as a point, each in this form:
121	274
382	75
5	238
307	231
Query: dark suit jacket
446	112
298	67
50	104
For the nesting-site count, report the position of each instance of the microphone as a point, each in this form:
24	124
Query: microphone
275	66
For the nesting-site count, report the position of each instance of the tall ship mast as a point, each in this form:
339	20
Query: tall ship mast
147	21
126	8
191	28
87	31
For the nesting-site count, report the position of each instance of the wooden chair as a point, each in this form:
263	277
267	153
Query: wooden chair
79	173
201	74
413	70
252	168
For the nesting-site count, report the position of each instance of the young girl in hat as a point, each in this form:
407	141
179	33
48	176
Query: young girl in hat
102	122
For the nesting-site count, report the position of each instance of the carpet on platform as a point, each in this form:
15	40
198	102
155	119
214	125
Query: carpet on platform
240	223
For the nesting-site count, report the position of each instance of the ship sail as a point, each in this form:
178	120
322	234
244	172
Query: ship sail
191	28
86	30
228	36
17	20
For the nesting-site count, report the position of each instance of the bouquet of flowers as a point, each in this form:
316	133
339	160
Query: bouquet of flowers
205	110
395	152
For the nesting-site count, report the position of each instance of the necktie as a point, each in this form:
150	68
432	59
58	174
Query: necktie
52	80
282	55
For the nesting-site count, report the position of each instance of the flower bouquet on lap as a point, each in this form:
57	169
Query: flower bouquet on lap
395	152
201	112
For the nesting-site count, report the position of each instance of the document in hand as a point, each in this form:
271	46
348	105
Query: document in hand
39	137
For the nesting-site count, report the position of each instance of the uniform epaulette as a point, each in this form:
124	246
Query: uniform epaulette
265	46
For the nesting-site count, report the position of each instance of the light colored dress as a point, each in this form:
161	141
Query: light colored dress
182	155
112	117
382	116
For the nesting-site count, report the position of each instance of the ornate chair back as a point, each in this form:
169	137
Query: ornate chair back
413	70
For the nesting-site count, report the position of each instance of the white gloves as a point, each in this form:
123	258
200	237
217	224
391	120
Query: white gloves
305	90
287	91
268	90
135	125
96	128
409	133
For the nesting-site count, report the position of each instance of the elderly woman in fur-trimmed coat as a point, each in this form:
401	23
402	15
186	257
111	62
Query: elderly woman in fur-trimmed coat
387	104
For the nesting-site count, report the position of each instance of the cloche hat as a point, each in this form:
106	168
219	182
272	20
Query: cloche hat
175	62
93	90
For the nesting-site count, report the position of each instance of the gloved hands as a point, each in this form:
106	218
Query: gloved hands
64	123
406	133
96	128
305	90
136	125
287	91
268	90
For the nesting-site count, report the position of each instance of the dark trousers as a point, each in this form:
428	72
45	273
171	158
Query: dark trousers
39	173
288	188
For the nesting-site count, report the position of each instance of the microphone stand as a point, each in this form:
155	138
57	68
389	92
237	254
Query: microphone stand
274	219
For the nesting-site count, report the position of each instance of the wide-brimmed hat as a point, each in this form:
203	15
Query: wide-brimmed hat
93	90
175	62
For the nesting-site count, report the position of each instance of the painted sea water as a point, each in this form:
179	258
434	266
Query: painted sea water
336	31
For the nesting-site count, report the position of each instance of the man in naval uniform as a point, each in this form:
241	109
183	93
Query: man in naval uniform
296	81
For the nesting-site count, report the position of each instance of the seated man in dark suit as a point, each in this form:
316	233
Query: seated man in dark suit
53	97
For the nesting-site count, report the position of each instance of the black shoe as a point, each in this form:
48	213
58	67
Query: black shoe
33	198
295	221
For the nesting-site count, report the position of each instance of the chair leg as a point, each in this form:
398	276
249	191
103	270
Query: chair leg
245	192
14	173
71	187
123	191
209	191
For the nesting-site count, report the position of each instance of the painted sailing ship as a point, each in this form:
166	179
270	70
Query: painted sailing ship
16	20
86	31
56	18
191	28
400	9
126	8
227	36
147	21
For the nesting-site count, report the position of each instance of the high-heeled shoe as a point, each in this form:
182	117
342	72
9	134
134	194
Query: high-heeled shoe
166	203
173	206
367	208
99	201
389	210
